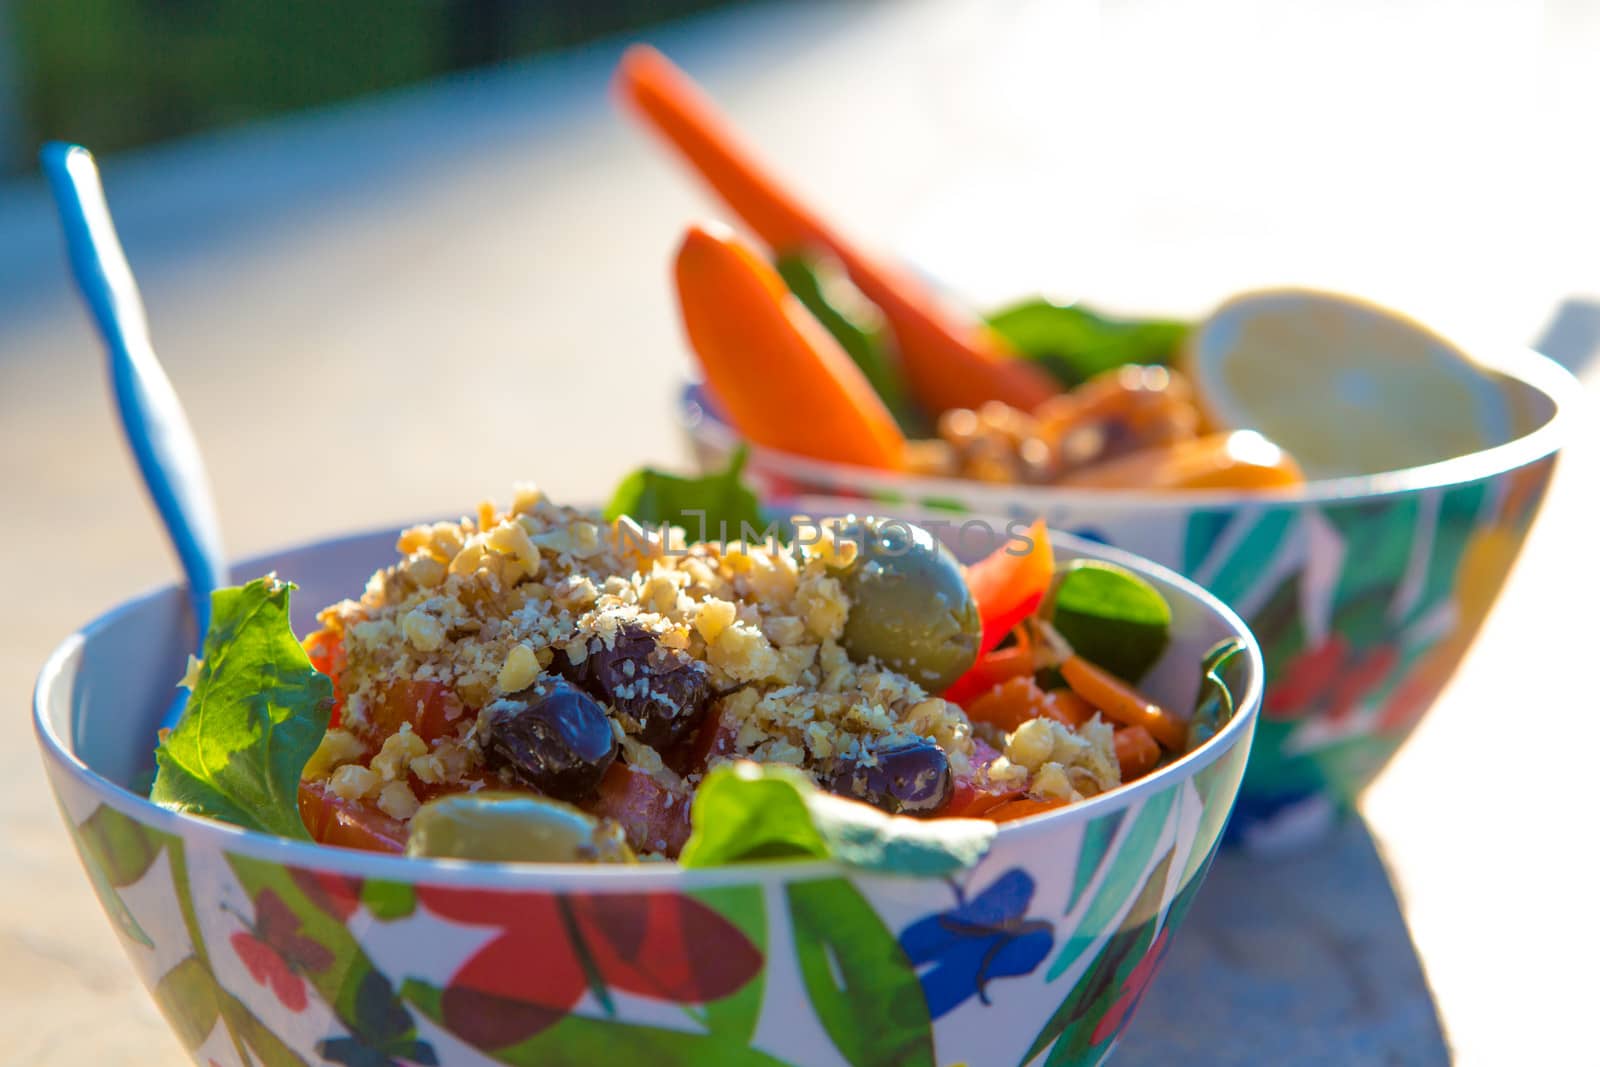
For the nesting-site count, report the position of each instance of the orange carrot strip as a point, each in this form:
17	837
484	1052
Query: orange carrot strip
781	378
1137	752
1009	704
1021	808
950	360
1069	708
1123	704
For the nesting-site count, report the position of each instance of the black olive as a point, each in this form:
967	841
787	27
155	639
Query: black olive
909	778
553	737
663	691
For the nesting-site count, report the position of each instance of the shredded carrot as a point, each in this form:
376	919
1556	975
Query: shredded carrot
951	360
1017	700
782	379
1122	703
1137	752
1070	708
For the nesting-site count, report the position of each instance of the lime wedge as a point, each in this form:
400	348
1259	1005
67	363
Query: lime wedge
1112	617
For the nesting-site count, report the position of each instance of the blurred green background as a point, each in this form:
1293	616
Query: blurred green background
114	74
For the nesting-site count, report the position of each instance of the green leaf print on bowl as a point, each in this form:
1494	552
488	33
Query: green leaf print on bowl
863	988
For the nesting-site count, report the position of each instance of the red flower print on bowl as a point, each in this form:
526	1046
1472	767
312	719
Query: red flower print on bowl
276	954
553	948
1331	677
1139	980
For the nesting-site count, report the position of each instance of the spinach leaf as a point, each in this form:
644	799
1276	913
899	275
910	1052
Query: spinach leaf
745	812
1074	343
826	291
257	712
1214	704
1112	617
715	506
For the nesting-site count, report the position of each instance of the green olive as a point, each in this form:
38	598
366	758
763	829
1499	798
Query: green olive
910	607
513	828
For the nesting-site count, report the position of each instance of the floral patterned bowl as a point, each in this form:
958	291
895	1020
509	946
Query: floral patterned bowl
1364	592
261	950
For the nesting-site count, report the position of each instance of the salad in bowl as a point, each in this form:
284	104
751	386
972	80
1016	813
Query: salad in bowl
555	783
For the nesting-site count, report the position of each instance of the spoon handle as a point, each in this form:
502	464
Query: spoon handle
153	420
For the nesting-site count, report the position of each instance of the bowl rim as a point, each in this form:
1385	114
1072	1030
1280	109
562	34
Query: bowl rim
62	665
1523	365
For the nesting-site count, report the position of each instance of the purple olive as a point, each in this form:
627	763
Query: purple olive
553	737
909	778
660	693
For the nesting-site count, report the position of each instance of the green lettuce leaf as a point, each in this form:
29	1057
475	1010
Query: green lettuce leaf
1112	617
255	716
745	812
1074	344
716	506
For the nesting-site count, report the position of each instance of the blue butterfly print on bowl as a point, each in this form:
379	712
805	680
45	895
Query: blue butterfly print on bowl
977	941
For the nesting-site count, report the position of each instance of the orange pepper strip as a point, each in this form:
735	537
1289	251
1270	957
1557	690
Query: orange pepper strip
1241	460
781	378
1122	704
1021	808
1137	752
951	360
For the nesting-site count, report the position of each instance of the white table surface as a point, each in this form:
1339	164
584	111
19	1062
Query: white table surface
434	294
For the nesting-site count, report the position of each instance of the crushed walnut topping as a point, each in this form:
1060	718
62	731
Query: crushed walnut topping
490	607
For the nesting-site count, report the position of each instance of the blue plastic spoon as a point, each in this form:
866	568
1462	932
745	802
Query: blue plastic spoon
152	419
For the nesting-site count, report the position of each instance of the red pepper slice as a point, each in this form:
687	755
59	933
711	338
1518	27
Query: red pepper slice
1009	585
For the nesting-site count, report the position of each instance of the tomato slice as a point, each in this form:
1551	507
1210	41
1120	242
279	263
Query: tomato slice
432	709
654	816
967	801
333	820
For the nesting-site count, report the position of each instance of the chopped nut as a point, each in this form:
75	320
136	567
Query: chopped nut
425	632
397	801
352	781
337	748
399	749
191	673
520	669
714	617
